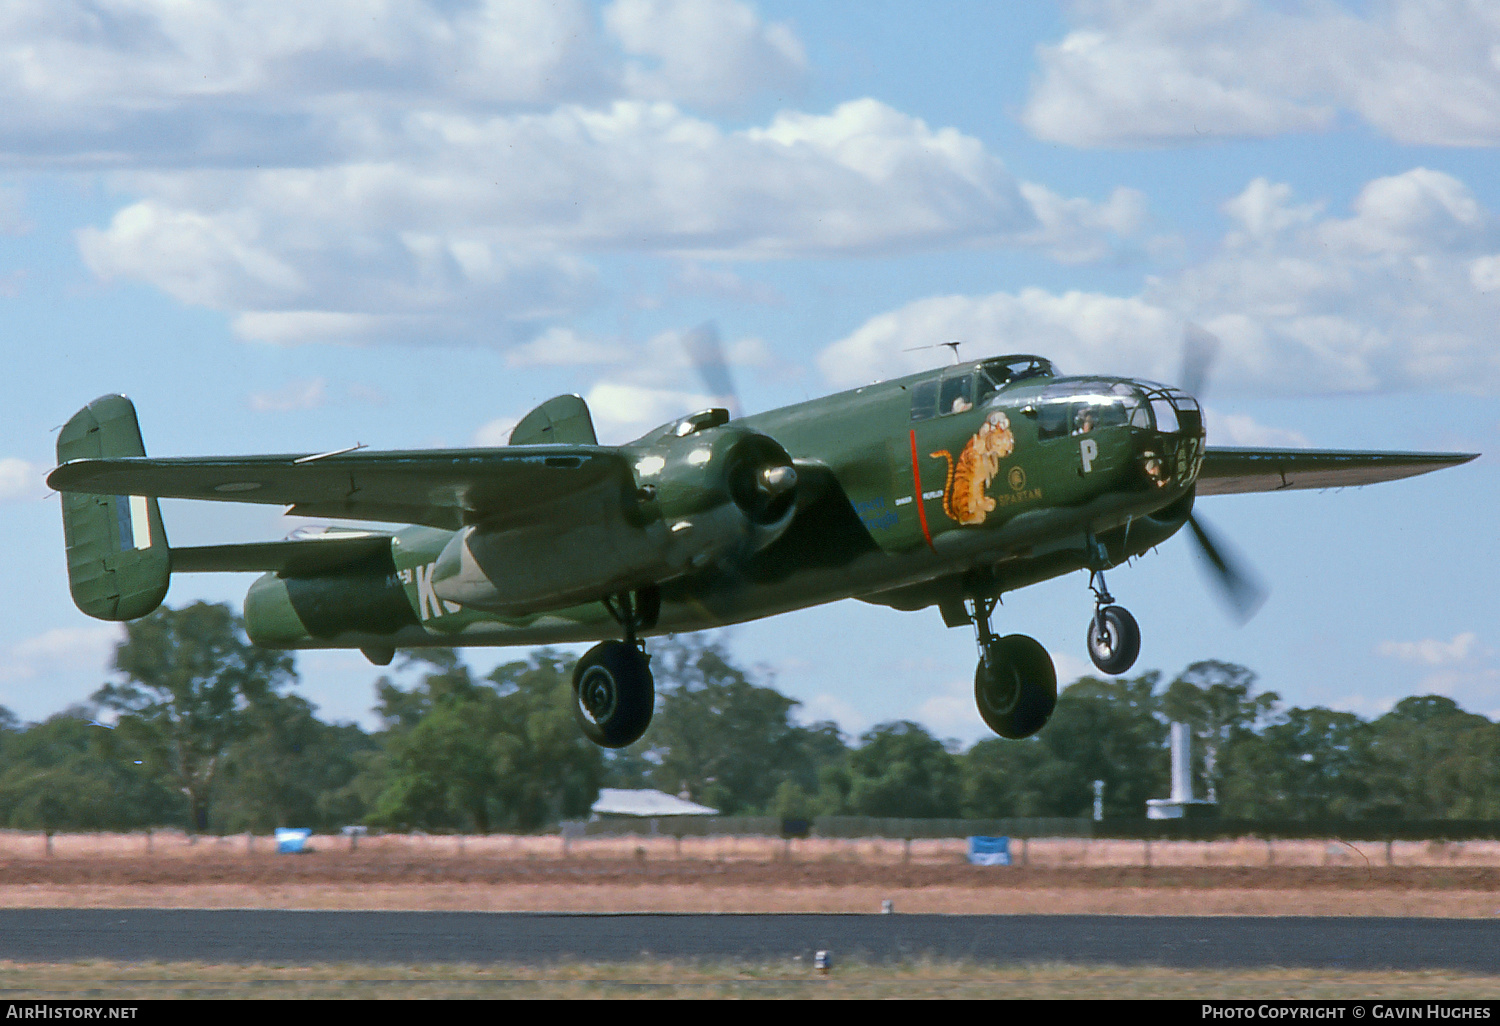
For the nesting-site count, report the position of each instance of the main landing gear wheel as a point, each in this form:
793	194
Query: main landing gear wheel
613	694
1114	636
1015	686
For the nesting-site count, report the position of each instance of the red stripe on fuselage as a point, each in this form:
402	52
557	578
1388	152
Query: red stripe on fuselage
916	478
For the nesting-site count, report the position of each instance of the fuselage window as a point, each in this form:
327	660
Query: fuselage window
1053	419
1166	416
987	387
957	395
924	404
1088	416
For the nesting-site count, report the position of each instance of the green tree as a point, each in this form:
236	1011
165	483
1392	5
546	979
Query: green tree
900	770
1310	764
1413	758
548	769
70	772
190	677
291	769
1016	778
1109	730
1216	700
480	755
727	742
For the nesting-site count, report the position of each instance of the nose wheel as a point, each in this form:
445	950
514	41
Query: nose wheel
1114	636
1015	683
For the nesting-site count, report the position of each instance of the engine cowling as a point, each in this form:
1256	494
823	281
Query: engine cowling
726	491
703	493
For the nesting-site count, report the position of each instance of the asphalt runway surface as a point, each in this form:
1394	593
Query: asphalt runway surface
386	938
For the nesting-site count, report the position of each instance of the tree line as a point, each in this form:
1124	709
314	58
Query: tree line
199	729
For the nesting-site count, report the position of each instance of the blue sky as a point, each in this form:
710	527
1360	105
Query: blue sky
283	227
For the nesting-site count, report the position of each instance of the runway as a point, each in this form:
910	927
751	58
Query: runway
395	938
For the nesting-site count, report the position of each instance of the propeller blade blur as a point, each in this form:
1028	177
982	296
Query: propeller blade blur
1241	591
706	350
1199	349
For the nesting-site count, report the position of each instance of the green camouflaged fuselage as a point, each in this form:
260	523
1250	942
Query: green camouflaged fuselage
925	490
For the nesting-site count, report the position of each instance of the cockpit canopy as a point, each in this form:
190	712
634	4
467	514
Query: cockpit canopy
964	387
1079	405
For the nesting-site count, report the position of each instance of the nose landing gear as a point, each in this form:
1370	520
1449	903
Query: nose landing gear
1114	636
1015	684
613	691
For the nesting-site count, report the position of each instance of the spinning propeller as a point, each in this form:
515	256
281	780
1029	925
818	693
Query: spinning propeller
1237	585
706	350
762	482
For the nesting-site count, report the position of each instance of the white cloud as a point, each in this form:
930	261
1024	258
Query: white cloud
1242	429
564	347
1394	296
719	283
623	411
460	228
121	83
951	712
1083	332
13	211
20	480
63	650
1165	71
1432	651
823	706
294	395
496	432
715	51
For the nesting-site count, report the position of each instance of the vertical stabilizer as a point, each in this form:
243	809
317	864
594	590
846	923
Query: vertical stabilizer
118	563
561	420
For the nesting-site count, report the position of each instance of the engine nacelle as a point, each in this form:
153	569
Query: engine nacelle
702	492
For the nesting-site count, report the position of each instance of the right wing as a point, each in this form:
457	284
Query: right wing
1228	471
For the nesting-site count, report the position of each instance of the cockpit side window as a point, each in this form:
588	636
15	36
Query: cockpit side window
1053	420
957	394
924	400
985	385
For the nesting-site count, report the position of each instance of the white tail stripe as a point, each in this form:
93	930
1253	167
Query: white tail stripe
140	522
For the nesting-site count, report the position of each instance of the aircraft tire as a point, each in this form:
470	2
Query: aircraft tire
1015	686
613	694
1115	650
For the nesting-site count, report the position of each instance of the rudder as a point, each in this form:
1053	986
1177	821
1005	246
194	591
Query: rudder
118	562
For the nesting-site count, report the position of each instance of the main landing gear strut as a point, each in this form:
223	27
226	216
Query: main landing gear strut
1015	684
613	693
1114	636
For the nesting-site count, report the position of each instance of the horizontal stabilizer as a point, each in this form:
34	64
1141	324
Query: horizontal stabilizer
1229	471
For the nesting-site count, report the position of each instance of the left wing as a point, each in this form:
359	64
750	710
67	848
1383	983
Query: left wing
446	488
1233	471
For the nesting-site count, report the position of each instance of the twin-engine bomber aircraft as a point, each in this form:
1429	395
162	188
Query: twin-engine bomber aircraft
944	488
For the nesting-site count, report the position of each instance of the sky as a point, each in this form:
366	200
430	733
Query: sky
291	227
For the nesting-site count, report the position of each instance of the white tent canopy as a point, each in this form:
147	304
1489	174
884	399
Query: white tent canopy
617	801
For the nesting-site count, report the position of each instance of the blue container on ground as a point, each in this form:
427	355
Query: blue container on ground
290	842
989	851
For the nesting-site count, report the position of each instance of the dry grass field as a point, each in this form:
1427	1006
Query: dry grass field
750	874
